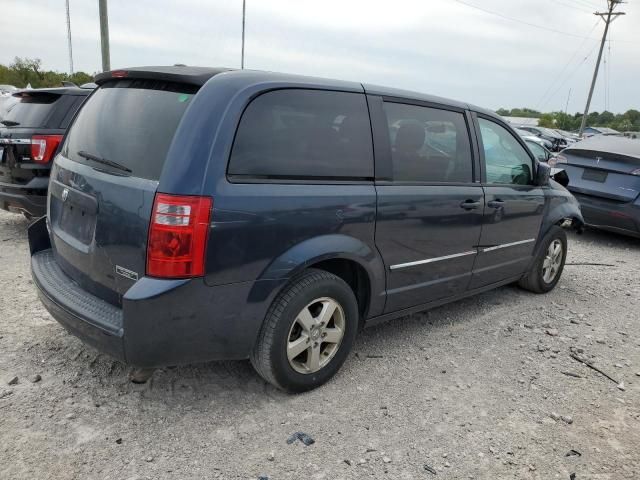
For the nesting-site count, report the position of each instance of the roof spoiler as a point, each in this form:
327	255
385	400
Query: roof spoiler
180	74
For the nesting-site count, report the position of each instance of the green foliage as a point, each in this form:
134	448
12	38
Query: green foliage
623	122
24	71
547	120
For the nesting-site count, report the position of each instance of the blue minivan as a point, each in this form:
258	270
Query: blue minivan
198	214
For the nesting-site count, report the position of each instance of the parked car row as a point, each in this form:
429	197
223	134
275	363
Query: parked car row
557	141
604	175
32	124
198	214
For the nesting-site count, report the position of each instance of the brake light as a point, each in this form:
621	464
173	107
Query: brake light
178	236
43	147
119	74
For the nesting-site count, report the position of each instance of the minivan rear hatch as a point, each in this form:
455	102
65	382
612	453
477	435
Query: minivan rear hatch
104	180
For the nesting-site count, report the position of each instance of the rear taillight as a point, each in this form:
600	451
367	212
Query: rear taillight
43	147
178	236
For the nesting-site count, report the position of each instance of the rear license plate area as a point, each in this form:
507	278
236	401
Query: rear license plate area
594	175
73	212
77	222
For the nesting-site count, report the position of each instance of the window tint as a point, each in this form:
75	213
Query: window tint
428	144
304	133
77	101
131	122
537	151
505	159
31	110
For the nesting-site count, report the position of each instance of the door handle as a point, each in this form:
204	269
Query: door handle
497	203
469	205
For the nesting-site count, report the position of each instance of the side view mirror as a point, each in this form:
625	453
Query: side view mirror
543	173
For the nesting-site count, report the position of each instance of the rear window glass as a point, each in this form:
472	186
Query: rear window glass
77	101
304	134
31	110
130	122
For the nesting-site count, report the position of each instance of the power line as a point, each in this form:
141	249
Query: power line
572	6
544	98
573	72
505	17
523	22
584	3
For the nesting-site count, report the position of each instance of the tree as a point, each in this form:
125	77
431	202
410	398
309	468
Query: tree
25	71
547	120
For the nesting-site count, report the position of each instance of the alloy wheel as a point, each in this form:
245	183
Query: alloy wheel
315	336
552	261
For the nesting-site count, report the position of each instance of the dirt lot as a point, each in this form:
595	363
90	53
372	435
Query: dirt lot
471	390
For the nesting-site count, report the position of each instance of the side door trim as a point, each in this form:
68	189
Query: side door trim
432	260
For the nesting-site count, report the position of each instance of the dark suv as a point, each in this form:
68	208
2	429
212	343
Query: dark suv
198	214
31	128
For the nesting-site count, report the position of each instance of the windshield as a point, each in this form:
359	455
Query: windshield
129	122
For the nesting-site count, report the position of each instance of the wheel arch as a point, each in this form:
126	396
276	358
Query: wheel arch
351	259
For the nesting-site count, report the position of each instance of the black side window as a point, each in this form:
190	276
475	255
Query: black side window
428	144
304	134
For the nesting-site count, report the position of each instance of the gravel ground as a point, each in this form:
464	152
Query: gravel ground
483	388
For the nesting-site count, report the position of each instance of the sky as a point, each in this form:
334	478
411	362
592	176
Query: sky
531	58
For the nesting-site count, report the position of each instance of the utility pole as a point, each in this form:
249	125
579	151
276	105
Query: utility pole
566	108
244	11
610	16
69	40
104	35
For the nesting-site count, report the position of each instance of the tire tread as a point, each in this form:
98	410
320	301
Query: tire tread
260	356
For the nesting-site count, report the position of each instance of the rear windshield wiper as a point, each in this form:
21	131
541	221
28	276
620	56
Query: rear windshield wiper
9	123
104	161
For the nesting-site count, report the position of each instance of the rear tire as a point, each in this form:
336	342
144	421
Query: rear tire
549	264
308	332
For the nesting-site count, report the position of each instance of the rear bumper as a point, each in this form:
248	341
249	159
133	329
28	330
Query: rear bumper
161	322
31	201
89	318
622	217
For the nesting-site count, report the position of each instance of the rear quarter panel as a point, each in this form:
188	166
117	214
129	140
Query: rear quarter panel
267	231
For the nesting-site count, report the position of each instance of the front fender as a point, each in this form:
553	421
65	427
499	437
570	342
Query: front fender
561	205
326	247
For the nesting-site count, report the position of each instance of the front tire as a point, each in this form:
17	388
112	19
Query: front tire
307	333
549	264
